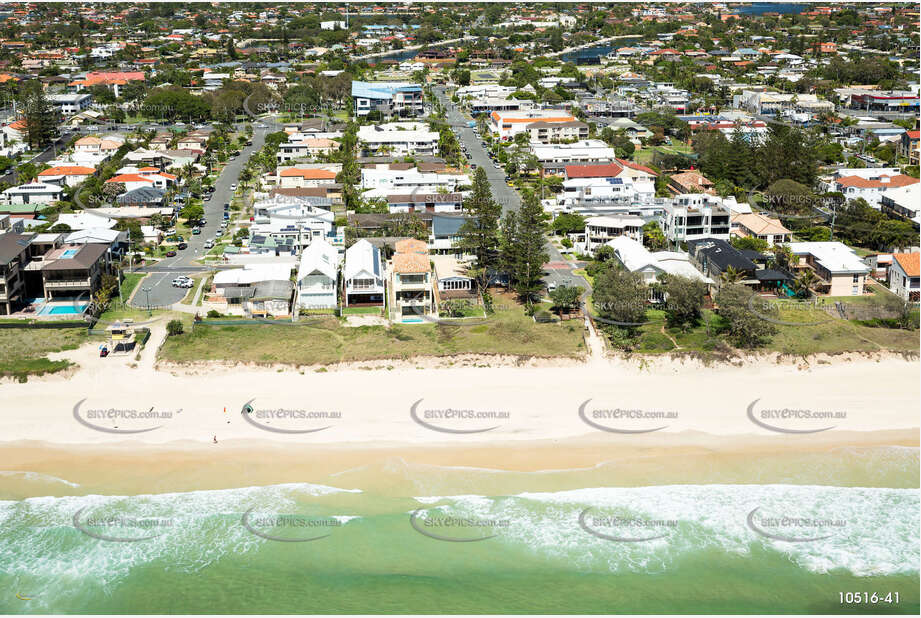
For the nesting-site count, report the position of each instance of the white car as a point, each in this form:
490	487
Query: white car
233	187
209	244
181	281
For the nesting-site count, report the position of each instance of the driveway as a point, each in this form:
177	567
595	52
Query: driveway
162	292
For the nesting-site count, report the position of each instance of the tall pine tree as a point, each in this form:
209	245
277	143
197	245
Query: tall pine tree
532	223
479	235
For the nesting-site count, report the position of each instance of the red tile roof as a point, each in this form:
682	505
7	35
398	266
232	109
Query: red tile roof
910	263
603	170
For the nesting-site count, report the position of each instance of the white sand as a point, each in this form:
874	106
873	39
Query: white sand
542	402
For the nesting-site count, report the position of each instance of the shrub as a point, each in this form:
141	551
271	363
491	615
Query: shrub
174	327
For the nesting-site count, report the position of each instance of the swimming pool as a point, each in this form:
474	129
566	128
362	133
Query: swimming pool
69	253
63	309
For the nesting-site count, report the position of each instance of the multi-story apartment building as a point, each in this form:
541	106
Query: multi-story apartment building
14	249
696	216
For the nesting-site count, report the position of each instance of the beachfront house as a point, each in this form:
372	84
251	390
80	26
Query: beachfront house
317	276
904	276
363	276
840	270
13	257
411	282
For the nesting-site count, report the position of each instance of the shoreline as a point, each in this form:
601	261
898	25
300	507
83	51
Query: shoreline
127	468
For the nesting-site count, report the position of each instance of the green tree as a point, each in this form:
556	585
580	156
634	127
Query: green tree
653	237
479	234
620	299
745	328
531	252
41	127
684	299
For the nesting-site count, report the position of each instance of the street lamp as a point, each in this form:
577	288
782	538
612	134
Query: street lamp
147	294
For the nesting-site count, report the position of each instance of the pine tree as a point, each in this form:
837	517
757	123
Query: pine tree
479	235
39	118
532	222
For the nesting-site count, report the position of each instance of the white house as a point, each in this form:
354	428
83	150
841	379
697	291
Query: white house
363	276
600	230
398	139
33	193
904	276
66	175
317	276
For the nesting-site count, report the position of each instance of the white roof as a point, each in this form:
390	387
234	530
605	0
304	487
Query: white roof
97	234
634	256
253	273
319	256
836	257
908	197
361	258
86	220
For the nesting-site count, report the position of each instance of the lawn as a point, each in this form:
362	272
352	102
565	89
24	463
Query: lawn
820	333
325	341
129	282
23	351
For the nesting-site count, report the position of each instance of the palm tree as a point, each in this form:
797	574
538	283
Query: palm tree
731	275
805	283
783	257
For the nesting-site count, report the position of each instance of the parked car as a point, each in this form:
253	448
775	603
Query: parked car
170	253
180	281
233	187
209	244
182	246
196	231
551	286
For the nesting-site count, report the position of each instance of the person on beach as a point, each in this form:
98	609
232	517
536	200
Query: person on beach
215	439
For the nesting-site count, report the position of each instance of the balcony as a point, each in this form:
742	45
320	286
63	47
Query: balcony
63	284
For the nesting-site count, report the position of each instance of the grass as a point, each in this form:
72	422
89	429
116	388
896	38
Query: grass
362	310
129	282
508	332
23	351
830	335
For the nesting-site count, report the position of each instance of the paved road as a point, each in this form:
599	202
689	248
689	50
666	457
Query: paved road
504	194
47	154
162	292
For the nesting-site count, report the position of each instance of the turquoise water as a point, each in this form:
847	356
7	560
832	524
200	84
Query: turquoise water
69	253
538	557
62	310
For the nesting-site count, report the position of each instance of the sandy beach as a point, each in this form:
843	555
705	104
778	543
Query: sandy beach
129	424
461	405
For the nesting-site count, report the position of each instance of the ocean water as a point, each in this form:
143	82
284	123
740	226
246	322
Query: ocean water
319	548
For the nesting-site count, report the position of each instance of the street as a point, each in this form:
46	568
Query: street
559	269
162	292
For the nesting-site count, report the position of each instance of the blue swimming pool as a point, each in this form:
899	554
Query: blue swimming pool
63	309
69	253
